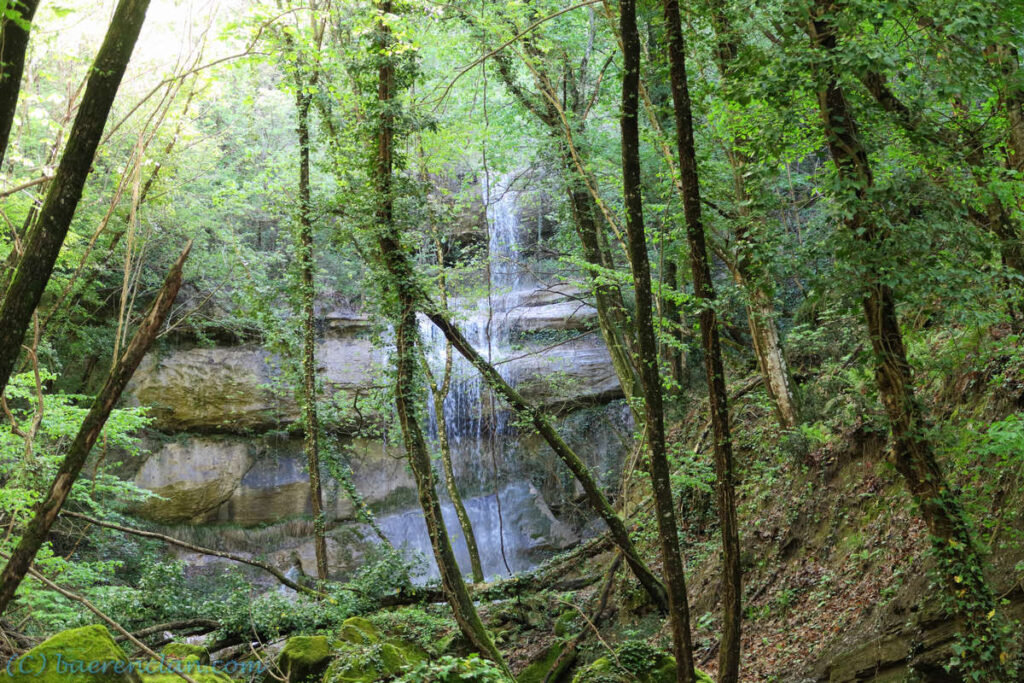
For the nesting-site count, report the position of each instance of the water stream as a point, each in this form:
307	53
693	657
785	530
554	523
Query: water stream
510	520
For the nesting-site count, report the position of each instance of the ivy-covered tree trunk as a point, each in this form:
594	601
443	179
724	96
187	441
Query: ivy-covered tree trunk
47	510
13	44
725	486
43	243
764	332
402	294
310	417
647	349
970	597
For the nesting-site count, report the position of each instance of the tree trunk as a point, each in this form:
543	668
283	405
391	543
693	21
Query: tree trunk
612	316
438	394
764	331
403	298
647	349
729	650
960	564
46	511
579	469
43	243
310	418
13	44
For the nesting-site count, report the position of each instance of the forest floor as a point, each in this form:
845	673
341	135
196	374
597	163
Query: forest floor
836	562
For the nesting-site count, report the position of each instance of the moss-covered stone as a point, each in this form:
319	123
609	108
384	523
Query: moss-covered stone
634	662
548	667
359	631
304	658
363	655
80	655
186	651
565	623
166	671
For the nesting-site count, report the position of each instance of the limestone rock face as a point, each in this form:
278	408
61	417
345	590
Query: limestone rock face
193	478
252	482
232	389
218	389
567	376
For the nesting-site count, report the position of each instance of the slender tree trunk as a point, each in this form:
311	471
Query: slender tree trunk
13	44
45	513
764	331
43	243
612	316
438	394
725	487
675	356
579	469
647	349
959	560
403	295
310	418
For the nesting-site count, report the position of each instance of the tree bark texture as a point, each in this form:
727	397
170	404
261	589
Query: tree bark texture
310	417
960	563
13	44
404	292
725	487
43	243
647	357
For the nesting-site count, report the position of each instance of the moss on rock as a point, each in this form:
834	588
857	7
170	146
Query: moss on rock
304	658
363	655
81	655
634	662
185	651
547	667
166	671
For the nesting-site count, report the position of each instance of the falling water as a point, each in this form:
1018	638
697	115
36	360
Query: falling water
509	518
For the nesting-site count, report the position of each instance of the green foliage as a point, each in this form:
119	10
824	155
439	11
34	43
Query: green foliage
448	669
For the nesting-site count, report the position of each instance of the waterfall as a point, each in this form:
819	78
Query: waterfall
505	509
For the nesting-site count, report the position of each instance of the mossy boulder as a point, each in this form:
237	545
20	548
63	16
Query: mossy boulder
81	655
186	651
304	658
549	666
359	631
166	671
634	662
363	655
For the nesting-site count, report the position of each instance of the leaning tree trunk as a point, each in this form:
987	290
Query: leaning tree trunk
43	243
402	295
46	512
310	418
647	349
725	486
13	44
535	416
961	571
